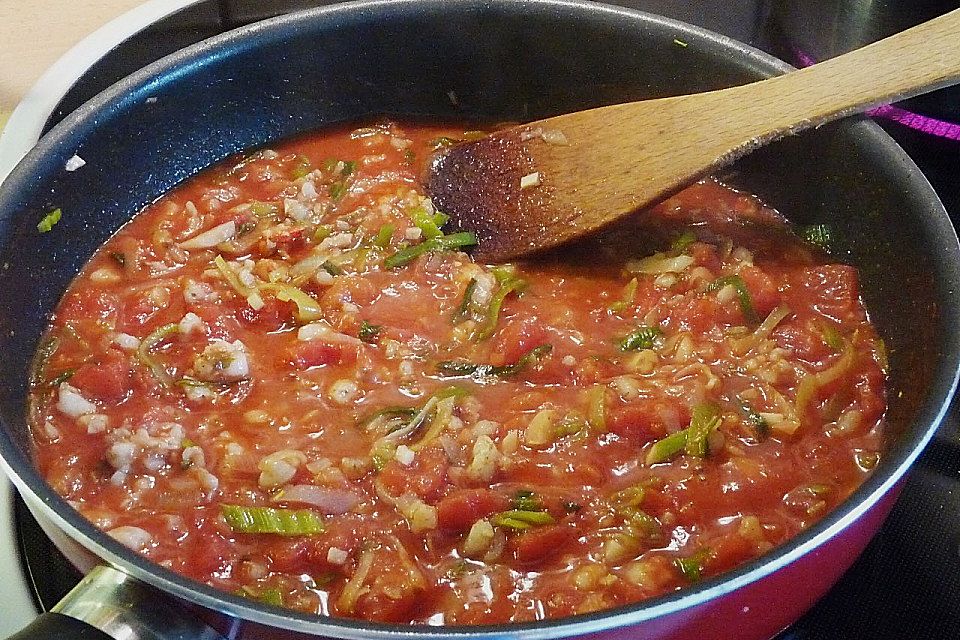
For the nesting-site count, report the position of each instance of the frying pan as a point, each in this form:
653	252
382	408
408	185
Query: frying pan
491	60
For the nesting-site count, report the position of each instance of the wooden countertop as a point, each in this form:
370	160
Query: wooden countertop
36	34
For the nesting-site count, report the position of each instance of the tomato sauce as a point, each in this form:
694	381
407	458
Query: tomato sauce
287	379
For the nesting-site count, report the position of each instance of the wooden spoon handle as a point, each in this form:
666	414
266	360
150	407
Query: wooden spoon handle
918	60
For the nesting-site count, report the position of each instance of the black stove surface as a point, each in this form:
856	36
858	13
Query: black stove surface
907	582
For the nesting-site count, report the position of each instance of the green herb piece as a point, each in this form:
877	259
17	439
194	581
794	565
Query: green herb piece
337	190
60	378
572	507
832	338
462	368
442	142
440	243
526	500
264	209
519	519
743	295
388	412
665	448
465	309
331	268
49	220
369	332
148	344
384	235
428	223
349	166
308	309
692	566
753	418
283	522
44	352
642	337
629	497
683	241
507	286
626	298
245	227
322	232
301	167
819	235
704	420
119	258
271	596
409	156
597	408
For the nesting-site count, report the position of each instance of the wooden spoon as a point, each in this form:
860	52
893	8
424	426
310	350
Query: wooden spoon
535	186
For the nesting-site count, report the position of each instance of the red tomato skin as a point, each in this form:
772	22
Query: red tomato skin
316	353
108	381
538	544
459	510
518	337
426	477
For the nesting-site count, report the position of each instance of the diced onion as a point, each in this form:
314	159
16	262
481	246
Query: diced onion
329	501
211	237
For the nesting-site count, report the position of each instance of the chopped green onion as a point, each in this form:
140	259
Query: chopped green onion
151	342
819	235
271	596
231	277
642	337
284	522
49	220
46	350
331	268
427	223
626	299
519	519
302	167
264	209
338	189
526	500
704	421
489	326
389	412
461	368
349	166
692	566
308	309
832	338
61	378
743	295
597	408
369	332
665	448
753	418
464	311
683	241
440	243
383	237
322	232
442	142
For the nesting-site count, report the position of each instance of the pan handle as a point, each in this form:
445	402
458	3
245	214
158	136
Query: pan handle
108	604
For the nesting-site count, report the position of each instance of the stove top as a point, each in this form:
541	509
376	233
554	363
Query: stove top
907	582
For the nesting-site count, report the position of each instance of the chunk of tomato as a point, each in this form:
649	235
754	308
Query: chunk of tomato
517	338
459	510
108	380
316	353
539	544
426	476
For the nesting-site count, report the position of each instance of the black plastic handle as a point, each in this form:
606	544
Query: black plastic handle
56	626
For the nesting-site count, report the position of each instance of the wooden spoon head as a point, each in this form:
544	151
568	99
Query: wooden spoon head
497	188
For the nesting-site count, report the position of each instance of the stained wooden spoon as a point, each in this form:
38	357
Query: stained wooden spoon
541	184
